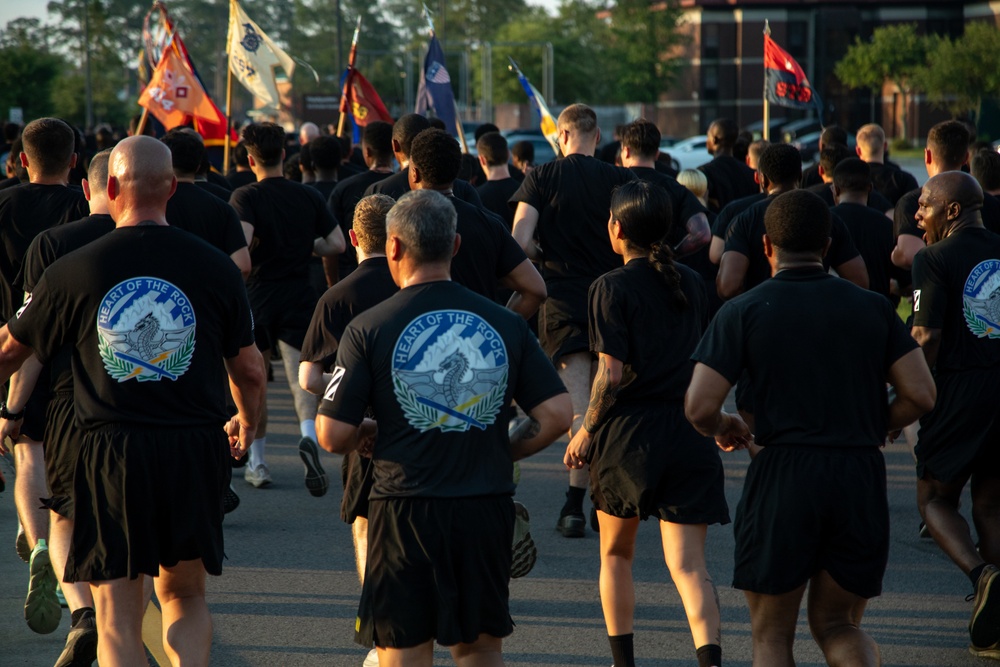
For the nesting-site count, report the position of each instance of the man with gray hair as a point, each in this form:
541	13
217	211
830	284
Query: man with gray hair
439	366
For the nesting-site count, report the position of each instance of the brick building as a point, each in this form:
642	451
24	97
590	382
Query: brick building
725	76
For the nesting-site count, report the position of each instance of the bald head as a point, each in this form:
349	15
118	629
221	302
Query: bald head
948	202
957	187
140	178
308	132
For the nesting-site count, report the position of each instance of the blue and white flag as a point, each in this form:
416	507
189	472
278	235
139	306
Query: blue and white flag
435	87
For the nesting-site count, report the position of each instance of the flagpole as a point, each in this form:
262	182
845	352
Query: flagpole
766	131
142	122
351	60
229	94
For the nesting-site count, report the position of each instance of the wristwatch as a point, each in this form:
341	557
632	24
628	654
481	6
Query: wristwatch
10	416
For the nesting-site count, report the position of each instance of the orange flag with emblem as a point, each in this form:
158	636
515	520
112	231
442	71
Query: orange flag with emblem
174	93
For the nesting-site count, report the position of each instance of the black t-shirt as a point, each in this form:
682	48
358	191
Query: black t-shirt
891	181
810	176
9	182
342	202
150	313
398	184
325	188
26	211
496	194
238	179
746	236
287	217
818	350
369	285
487	252
439	365
720	226
206	216
956	288
218	180
573	196
633	319
871	232
685	204
728	180
875	200
214	189
348	169
906	209
47	247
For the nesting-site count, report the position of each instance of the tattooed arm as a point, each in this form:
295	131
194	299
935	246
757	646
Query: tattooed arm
602	397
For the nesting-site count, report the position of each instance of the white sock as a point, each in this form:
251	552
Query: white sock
308	429
257	452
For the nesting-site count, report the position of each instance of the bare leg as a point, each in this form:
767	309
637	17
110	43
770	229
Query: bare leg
684	552
577	373
417	656
187	625
359	529
118	604
29	486
486	651
938	505
305	403
835	619
78	594
617	554
772	626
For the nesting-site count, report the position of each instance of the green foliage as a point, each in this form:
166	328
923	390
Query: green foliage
963	71
641	37
28	68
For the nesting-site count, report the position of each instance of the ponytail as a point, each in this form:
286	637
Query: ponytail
661	257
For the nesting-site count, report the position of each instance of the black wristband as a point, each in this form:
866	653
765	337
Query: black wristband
10	416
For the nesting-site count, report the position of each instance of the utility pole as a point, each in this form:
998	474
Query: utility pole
88	84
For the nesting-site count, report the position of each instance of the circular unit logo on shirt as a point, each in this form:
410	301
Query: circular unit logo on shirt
981	299
449	371
146	330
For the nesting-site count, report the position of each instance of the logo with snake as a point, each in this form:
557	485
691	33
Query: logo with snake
449	371
146	330
981	300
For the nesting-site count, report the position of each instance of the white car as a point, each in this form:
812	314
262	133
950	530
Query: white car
689	153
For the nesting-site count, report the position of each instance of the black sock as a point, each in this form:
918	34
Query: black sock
574	501
975	572
710	655
621	649
78	614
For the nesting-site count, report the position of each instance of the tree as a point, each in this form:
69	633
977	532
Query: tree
642	36
895	53
961	72
28	68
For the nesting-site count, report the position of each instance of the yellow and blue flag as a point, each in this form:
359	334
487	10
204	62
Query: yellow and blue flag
547	122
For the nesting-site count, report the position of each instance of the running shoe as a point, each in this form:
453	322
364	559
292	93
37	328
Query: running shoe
316	479
21	544
991	652
41	607
230	501
371	660
524	552
572	525
81	643
984	626
258	477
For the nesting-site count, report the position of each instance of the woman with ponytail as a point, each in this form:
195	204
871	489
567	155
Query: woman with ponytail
646	318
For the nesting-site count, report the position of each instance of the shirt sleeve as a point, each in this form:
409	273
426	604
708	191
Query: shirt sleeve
511	254
903	216
239	332
738	235
464	191
322	339
240	200
43	322
900	342
537	380
348	394
930	293
325	222
842	248
607	321
530	192
721	348
233	236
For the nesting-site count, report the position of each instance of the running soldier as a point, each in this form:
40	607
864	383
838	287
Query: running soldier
565	202
956	308
439	366
728	178
870	230
645	459
890	181
499	186
290	222
814	509
150	313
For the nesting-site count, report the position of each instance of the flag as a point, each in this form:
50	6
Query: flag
174	93
785	82
364	104
253	57
548	123
434	91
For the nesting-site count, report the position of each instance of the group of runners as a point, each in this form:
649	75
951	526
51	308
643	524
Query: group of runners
435	330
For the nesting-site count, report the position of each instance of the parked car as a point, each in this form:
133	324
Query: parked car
689	153
799	128
757	129
808	145
543	150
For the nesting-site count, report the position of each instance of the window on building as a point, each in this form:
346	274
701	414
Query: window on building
710	40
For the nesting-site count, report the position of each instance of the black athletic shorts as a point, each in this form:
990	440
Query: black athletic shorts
357	474
807	509
281	311
146	498
63	440
437	569
33	426
562	321
647	460
962	433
